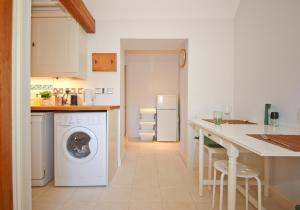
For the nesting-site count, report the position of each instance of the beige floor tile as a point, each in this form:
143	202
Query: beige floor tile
77	206
145	206
153	176
40	205
206	206
176	194
56	195
38	191
145	195
179	206
206	198
123	177
116	194
112	206
86	194
145	179
172	180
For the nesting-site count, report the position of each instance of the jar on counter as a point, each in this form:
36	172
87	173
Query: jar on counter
274	119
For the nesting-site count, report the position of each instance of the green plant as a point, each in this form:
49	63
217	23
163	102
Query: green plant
45	94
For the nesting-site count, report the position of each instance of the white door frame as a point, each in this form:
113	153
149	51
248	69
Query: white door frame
21	104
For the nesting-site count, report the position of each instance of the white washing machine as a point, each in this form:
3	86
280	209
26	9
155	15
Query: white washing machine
80	149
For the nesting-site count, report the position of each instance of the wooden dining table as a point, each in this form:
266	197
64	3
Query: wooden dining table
236	138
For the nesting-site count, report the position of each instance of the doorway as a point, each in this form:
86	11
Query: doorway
152	68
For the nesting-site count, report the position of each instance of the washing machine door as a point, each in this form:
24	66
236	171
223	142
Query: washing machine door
80	144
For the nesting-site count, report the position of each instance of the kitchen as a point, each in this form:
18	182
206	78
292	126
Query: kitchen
224	46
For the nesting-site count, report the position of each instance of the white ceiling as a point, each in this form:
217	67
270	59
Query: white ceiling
158	9
153	44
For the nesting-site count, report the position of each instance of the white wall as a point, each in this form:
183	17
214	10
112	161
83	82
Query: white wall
148	76
167	9
183	103
210	56
210	76
267	70
210	63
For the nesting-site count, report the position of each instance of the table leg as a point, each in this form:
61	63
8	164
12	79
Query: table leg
201	162
210	166
233	154
267	175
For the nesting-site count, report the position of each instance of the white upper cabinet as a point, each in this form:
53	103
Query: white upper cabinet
58	48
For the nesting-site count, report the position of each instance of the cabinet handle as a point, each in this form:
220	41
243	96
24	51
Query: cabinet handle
33	44
95	61
111	61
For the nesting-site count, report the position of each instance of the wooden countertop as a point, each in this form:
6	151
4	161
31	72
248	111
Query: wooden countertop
73	108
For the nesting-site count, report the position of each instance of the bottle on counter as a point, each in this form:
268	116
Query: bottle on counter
267	114
274	119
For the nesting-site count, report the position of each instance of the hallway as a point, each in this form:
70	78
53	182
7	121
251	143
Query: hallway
152	177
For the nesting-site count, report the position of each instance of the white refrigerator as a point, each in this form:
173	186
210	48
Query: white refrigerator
167	118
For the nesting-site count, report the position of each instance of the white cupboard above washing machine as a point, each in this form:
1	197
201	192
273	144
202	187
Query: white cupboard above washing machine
58	47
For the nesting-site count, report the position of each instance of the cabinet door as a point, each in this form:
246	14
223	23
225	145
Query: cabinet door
52	51
104	62
37	137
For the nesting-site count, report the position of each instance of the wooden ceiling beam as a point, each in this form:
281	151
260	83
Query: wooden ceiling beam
81	14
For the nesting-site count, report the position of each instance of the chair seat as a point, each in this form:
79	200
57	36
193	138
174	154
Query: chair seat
243	171
209	143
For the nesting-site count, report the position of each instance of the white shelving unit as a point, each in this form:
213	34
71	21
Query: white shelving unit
147	124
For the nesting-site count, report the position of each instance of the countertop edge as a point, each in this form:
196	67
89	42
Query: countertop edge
74	108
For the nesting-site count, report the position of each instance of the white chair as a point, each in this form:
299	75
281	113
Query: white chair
243	171
211	150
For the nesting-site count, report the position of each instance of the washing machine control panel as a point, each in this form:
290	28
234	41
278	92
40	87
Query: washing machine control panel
78	118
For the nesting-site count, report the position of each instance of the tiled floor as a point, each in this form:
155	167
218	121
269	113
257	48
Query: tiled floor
153	177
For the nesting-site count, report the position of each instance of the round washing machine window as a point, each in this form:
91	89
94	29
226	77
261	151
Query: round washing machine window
80	144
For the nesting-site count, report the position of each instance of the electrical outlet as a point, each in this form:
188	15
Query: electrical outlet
61	91
72	90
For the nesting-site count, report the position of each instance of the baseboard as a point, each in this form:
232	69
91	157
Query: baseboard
286	203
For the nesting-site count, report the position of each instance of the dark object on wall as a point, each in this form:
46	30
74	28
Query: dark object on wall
104	62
